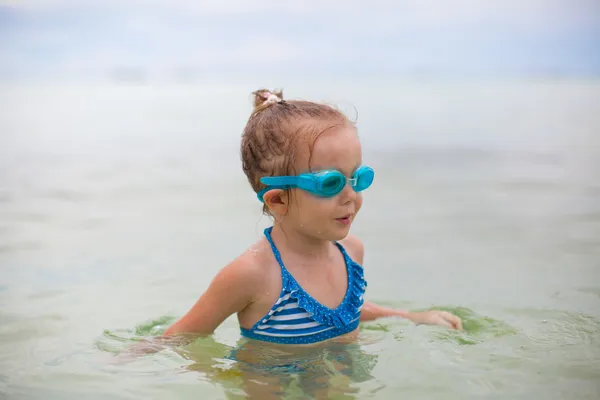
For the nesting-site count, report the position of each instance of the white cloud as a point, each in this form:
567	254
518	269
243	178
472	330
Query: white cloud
377	17
261	34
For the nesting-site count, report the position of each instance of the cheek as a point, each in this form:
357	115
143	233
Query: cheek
359	202
311	208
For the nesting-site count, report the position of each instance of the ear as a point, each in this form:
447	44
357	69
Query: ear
277	200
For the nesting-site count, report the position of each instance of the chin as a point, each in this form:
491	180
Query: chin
339	234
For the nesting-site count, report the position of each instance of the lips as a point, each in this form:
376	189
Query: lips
346	219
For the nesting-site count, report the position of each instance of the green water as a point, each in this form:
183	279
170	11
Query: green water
118	204
488	357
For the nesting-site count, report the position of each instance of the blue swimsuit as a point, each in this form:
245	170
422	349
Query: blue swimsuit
297	318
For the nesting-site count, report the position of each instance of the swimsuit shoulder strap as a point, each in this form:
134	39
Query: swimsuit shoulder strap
277	254
356	276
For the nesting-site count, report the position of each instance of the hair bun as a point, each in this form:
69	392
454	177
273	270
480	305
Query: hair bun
264	97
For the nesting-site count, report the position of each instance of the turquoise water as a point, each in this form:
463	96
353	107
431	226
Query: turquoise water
118	204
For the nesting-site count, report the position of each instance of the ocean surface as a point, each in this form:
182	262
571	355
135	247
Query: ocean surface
120	202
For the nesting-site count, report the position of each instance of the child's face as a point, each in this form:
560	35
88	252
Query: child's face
329	218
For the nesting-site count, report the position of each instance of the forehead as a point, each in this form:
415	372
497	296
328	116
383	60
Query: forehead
338	148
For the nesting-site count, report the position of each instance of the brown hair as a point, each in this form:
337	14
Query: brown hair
273	133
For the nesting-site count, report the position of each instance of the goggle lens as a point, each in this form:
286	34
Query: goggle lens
364	179
332	184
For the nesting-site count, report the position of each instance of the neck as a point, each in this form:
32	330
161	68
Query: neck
297	242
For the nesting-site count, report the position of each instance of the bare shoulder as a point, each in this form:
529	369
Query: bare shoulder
235	287
248	268
354	247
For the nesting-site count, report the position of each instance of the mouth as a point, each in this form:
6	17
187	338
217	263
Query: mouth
345	220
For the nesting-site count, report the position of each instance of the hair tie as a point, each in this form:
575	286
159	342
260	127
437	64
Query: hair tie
271	98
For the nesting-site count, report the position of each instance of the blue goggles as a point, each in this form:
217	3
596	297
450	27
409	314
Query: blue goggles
326	183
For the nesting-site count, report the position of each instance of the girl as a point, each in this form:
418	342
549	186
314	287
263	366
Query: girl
303	282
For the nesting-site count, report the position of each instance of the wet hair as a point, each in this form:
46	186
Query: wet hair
276	130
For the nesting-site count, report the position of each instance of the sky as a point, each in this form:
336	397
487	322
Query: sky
186	39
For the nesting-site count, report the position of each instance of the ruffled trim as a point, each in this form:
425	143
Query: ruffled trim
347	311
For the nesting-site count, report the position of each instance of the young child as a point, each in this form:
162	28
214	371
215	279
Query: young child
303	282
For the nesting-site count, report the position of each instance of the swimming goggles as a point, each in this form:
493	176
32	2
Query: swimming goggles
326	183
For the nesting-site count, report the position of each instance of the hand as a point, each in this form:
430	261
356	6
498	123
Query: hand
435	317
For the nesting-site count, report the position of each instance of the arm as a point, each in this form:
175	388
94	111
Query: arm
371	311
231	290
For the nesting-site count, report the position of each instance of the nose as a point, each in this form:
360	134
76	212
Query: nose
348	194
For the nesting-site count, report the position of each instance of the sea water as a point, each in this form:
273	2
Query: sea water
120	202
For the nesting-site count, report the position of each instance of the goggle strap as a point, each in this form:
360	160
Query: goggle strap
279	180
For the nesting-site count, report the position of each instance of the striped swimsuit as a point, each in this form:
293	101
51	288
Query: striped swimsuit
297	318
